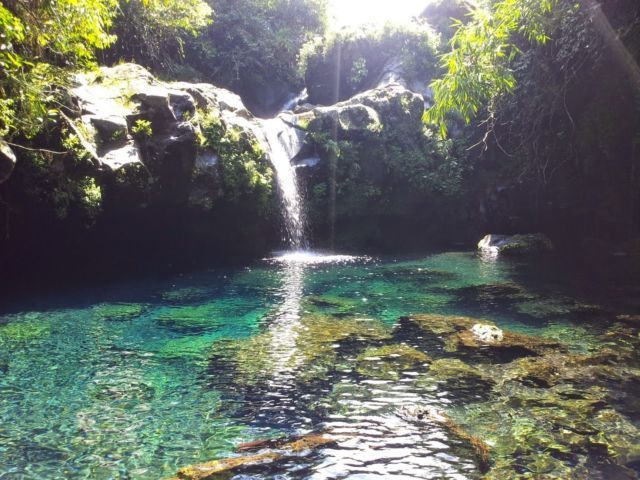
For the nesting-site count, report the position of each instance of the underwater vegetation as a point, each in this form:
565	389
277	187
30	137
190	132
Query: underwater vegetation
373	367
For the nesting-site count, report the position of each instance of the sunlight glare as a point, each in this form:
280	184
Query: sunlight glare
350	13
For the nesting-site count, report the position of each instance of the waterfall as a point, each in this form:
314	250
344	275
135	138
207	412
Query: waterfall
284	142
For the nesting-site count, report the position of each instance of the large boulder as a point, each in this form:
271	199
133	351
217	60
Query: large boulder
530	243
7	161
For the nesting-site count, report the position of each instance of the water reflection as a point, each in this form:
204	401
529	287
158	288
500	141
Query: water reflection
359	411
284	327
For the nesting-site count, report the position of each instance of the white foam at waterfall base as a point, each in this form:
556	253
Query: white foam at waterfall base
309	257
283	143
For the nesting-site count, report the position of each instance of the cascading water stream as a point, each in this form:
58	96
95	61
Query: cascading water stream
283	141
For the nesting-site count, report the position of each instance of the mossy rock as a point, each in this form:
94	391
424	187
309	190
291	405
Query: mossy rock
189	347
445	369
190	318
118	311
313	354
185	295
23	331
492	292
482	337
319	333
329	304
554	307
389	361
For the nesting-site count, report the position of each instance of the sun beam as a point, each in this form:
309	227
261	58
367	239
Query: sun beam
349	13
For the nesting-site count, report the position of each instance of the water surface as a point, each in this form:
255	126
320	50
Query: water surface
137	379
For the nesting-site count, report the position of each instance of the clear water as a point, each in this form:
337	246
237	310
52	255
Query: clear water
135	380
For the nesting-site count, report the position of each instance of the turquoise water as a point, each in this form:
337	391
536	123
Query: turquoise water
138	379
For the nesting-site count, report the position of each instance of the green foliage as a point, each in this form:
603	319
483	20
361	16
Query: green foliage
142	129
253	44
43	42
153	32
358	56
57	188
479	64
441	15
40	42
244	172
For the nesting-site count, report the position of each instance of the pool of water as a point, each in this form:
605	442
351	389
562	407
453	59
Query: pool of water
137	379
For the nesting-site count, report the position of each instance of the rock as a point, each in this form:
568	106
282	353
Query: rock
426	415
553	306
630	319
454	369
117	158
515	244
153	97
182	103
7	161
110	127
487	333
369	111
118	312
465	334
389	361
313	354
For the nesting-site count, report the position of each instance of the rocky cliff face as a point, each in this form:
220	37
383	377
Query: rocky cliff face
165	173
142	170
382	180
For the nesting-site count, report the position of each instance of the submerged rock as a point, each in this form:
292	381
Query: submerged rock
118	311
426	415
515	244
389	361
554	307
308	353
466	334
454	369
24	328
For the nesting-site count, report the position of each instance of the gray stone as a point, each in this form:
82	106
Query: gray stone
120	157
110	127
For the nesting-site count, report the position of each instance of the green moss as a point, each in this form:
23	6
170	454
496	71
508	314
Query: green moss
190	318
118	311
23	331
554	307
329	304
454	369
190	347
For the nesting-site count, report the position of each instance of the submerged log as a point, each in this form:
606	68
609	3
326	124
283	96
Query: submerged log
268	451
425	415
293	444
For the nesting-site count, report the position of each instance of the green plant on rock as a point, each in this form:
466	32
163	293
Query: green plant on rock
142	130
243	168
90	196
